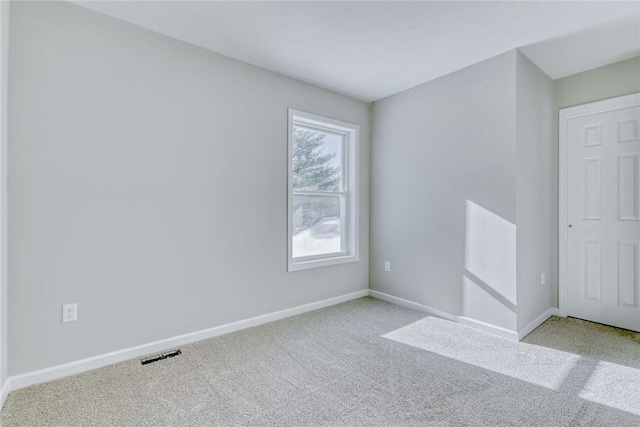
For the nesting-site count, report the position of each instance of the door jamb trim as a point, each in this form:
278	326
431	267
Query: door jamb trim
565	114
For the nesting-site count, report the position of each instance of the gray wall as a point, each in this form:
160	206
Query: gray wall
461	193
4	54
443	170
610	81
148	185
536	223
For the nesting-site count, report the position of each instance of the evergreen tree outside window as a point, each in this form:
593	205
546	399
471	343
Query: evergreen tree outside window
322	209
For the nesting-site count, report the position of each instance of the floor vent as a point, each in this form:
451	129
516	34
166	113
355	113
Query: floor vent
160	356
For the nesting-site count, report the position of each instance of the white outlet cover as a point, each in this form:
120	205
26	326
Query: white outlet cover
387	266
69	313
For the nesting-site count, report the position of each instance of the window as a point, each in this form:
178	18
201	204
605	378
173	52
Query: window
323	197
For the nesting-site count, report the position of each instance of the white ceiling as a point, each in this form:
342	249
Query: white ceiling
370	50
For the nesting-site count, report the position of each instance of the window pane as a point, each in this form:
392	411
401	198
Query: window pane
316	160
317	225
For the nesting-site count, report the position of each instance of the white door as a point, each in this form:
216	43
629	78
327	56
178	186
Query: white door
603	217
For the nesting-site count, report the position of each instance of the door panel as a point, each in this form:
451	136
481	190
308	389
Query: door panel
628	273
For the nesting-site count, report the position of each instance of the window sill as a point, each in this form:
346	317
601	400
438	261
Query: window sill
322	262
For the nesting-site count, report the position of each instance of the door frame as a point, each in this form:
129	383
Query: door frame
565	115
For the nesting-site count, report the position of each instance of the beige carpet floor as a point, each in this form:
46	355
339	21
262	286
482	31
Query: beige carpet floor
365	362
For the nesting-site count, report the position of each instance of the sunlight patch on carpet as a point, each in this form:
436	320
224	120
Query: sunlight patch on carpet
606	383
537	365
614	385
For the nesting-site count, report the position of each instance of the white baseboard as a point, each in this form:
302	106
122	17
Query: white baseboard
4	392
488	327
412	305
492	329
17	382
527	329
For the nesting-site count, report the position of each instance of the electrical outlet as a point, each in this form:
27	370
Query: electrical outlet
387	266
69	313
543	278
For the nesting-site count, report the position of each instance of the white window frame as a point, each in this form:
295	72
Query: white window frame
349	191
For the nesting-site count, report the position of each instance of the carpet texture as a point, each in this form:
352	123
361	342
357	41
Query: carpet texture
365	362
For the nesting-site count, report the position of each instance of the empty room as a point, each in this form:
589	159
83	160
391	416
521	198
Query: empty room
319	213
